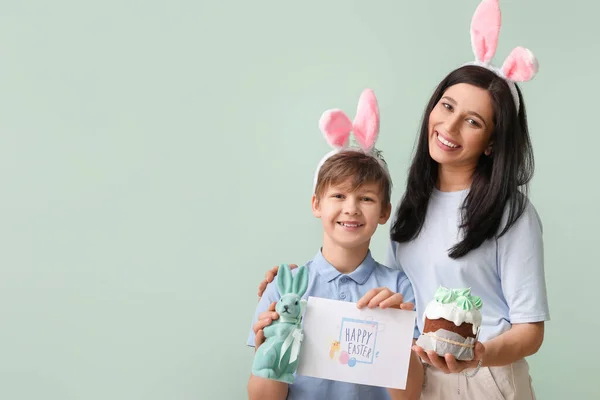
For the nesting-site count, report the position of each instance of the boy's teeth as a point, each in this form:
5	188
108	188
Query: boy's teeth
350	225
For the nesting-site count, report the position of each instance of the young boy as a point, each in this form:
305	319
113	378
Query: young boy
351	197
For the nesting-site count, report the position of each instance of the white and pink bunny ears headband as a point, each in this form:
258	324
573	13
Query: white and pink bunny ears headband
336	127
520	66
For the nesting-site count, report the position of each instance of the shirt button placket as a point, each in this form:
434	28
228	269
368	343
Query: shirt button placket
343	280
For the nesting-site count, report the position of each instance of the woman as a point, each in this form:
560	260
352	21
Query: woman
465	221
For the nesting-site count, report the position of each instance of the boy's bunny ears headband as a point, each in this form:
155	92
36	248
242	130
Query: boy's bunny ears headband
520	66
336	127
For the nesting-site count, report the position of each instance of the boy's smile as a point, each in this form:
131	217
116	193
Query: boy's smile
350	225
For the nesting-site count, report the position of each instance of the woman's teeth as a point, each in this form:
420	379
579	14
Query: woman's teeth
444	141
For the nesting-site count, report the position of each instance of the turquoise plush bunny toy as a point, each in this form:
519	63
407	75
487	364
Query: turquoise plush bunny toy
277	357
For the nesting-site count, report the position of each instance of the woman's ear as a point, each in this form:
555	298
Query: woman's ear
316	209
488	151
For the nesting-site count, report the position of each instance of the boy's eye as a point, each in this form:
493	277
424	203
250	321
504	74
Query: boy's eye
338	196
367	199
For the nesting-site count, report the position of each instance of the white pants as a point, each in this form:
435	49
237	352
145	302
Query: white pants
510	382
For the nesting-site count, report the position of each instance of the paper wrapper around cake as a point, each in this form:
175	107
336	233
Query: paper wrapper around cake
451	323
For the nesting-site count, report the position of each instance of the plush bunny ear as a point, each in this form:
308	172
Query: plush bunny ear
336	127
485	29
300	283
520	66
284	279
366	122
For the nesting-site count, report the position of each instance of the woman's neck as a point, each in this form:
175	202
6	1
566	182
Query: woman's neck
344	259
453	179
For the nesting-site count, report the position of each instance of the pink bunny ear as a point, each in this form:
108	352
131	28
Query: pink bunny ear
485	28
366	122
336	126
520	65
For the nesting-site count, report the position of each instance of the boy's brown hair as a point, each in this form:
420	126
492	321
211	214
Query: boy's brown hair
356	167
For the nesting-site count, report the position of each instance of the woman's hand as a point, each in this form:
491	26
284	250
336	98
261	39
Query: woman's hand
269	276
449	364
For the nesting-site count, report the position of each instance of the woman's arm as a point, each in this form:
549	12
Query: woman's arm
520	255
521	341
269	276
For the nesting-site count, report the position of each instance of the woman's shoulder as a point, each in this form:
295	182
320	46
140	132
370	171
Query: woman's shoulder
527	217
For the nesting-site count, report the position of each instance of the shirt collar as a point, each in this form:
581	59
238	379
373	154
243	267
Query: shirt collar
359	275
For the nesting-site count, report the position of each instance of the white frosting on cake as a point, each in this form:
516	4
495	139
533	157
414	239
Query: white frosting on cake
451	312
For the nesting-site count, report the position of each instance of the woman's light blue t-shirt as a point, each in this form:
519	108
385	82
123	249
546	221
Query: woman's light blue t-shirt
507	273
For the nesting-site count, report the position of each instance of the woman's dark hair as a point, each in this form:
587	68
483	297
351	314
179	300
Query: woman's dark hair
499	180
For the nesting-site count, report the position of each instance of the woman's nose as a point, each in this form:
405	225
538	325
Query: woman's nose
452	124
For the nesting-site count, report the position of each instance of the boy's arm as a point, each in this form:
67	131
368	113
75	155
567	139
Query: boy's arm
266	389
271	295
263	388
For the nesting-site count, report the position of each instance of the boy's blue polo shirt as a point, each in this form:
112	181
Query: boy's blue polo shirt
327	282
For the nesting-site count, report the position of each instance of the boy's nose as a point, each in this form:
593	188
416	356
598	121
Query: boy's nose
351	207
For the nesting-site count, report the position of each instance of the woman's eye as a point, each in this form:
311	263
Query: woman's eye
447	106
473	123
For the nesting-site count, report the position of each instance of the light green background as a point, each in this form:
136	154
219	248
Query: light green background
156	157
